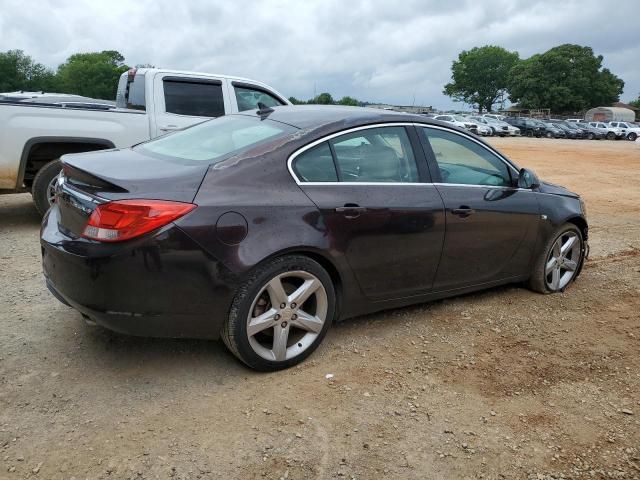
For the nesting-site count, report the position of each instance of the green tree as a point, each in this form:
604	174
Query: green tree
635	103
323	99
295	101
566	78
480	76
19	71
349	101
92	74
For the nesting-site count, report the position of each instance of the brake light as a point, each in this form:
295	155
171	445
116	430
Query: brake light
125	219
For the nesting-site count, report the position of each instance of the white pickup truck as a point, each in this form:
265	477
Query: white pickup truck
149	103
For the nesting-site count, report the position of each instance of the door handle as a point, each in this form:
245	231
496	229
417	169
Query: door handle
463	211
351	210
169	128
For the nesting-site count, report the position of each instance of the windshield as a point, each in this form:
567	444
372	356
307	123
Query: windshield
214	140
461	118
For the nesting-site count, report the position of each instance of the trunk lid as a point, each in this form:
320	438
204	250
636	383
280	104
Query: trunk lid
92	178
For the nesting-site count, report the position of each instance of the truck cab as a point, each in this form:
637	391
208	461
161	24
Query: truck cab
149	102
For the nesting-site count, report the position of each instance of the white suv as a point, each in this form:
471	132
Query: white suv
633	131
613	133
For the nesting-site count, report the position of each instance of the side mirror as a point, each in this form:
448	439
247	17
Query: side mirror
528	179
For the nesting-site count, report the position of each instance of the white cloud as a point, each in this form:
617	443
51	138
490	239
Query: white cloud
371	50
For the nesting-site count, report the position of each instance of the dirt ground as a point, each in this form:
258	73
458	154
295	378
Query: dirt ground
500	384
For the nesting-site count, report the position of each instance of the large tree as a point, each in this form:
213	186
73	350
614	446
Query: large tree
567	78
92	74
19	71
322	99
479	76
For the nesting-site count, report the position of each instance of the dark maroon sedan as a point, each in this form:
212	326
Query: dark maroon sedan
266	227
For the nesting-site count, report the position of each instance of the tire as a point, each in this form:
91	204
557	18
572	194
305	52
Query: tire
548	135
529	133
632	136
548	277
256	298
42	184
591	136
611	136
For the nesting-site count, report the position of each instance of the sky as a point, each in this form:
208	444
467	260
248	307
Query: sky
394	51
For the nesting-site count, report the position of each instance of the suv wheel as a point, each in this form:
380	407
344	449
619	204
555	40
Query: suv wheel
632	136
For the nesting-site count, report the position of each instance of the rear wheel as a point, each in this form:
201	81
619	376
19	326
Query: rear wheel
559	262
591	136
549	135
611	136
43	188
281	314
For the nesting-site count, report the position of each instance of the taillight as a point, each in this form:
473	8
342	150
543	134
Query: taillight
125	219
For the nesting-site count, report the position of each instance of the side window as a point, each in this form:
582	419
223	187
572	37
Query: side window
193	98
248	98
316	165
463	161
381	154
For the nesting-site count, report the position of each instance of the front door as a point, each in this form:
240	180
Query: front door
376	208
491	225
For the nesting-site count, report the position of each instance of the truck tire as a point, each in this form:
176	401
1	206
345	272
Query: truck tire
43	184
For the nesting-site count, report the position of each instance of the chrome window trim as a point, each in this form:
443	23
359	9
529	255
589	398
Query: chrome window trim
301	150
315	143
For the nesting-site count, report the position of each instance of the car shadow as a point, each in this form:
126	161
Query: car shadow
17	210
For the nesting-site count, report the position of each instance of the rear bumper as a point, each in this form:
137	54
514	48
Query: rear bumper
162	285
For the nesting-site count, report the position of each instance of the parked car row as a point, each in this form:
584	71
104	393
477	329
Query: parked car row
483	125
558	128
491	124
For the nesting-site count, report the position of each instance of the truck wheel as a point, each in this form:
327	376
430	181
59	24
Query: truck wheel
43	186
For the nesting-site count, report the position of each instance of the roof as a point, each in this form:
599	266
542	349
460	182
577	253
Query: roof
625	105
311	116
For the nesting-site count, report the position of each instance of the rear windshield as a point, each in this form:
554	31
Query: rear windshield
214	140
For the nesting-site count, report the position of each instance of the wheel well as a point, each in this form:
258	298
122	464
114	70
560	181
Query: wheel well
582	225
40	153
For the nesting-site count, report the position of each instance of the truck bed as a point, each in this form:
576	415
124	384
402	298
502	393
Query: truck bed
21	124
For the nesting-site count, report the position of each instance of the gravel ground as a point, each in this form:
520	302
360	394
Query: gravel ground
500	384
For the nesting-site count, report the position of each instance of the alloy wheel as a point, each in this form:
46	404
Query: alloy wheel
563	261
287	315
51	190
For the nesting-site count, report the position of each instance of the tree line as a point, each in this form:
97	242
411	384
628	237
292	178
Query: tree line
93	74
326	99
566	78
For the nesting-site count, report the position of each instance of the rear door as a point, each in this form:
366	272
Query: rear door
491	226
378	207
181	101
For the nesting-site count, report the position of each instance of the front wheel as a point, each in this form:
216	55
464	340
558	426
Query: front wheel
559	262
632	136
43	188
591	136
611	136
281	314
